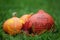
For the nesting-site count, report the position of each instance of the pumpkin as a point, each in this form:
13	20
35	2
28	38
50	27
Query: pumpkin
23	20
39	22
13	25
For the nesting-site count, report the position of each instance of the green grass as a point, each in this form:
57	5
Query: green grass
7	7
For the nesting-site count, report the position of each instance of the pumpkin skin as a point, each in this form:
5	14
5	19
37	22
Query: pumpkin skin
24	19
12	26
40	22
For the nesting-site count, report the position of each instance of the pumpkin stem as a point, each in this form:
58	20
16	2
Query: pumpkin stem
41	11
14	14
31	13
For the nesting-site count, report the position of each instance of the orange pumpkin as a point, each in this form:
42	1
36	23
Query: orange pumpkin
25	18
12	26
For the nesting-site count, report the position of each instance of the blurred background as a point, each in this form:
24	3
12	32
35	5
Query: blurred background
7	7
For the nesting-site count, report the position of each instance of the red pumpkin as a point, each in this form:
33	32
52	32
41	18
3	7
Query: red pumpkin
40	22
12	26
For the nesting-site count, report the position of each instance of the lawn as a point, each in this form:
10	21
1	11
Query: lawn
7	7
